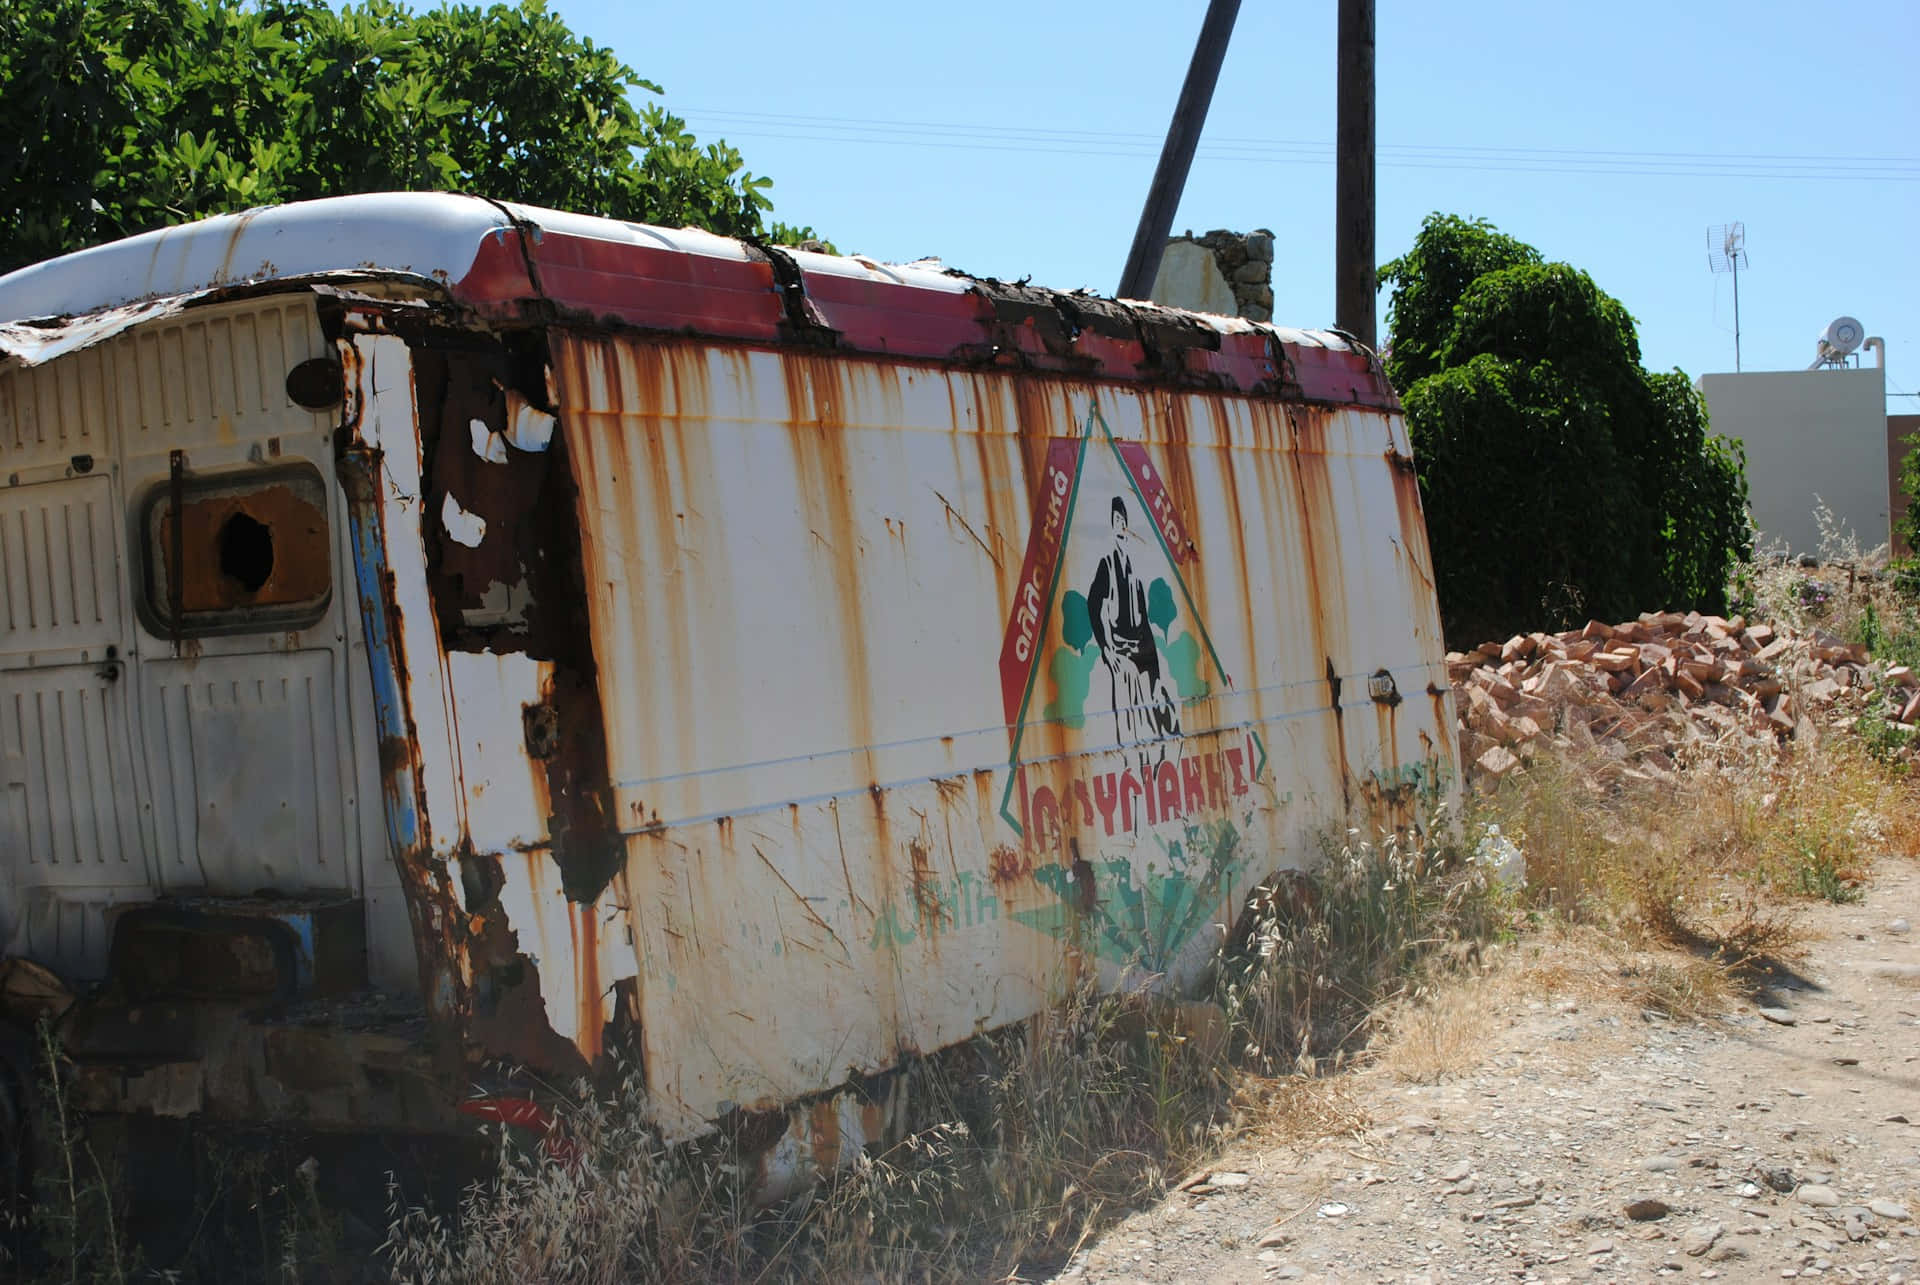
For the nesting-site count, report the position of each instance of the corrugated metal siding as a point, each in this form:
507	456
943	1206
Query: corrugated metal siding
236	764
66	928
206	376
59	547
74	807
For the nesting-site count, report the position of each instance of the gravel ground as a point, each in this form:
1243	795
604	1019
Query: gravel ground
1585	1139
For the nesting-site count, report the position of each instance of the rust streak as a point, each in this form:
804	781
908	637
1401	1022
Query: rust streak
1008	864
926	897
589	995
824	1132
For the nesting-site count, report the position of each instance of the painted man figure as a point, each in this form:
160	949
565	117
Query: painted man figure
1143	710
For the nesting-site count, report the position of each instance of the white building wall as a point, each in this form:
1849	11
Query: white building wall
1811	436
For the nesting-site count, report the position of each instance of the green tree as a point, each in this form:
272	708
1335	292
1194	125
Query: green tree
117	116
1909	529
1561	479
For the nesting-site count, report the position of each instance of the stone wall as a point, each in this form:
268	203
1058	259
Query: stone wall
1226	273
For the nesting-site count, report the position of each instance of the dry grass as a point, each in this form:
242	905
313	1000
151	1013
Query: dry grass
1299	1109
1326	953
1672	896
1029	1138
1443	1034
1714	861
1448	1029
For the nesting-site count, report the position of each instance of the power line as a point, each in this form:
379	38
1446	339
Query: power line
1098	143
977	128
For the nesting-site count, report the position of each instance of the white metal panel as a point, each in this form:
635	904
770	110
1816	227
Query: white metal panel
505	807
388	423
247	774
209	377
71	803
251	762
59	555
424	234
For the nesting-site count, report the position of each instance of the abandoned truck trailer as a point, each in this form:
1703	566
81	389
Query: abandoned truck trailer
443	636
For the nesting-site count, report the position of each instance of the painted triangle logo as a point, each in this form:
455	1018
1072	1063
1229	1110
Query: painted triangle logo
1131	803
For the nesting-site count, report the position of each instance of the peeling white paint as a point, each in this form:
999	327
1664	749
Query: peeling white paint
527	428
487	444
467	528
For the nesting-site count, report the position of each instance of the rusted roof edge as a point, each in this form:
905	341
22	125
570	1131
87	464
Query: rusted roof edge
781	297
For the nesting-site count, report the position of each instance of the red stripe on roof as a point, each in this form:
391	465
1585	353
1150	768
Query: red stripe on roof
652	287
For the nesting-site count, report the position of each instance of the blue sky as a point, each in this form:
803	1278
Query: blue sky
1017	139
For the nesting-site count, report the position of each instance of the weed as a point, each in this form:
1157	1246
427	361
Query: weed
1904	576
1439	1032
1813	596
1819	875
1685	988
1325	950
614	1204
1033	1135
1885	738
76	1215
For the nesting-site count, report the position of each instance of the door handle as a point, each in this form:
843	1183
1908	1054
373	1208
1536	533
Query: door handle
109	670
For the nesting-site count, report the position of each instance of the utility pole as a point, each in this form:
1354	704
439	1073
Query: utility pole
1355	288
1176	157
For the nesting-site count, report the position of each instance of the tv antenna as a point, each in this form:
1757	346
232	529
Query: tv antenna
1727	252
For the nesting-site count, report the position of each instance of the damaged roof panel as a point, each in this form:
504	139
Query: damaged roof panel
513	263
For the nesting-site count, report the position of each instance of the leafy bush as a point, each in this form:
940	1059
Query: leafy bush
126	115
1561	479
1909	526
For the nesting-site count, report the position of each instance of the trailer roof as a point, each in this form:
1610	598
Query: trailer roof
506	263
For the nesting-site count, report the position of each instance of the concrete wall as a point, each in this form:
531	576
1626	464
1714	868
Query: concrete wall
1811	435
1899	429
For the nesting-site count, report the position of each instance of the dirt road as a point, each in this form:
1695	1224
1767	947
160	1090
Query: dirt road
1580	1137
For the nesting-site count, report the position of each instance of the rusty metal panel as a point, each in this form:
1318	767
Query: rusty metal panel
254	551
926	691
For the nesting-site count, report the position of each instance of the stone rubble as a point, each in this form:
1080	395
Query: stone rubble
1638	694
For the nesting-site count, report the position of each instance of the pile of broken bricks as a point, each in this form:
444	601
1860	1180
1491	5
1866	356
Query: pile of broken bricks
1633	695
